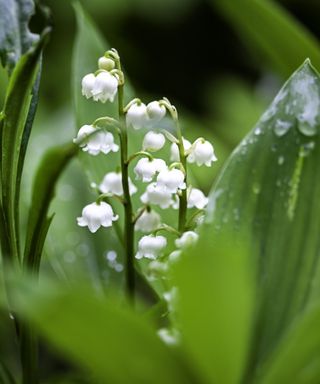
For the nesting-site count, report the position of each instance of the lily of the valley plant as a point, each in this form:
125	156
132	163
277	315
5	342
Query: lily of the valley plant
166	184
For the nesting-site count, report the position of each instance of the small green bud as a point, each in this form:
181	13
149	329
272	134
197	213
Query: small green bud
106	63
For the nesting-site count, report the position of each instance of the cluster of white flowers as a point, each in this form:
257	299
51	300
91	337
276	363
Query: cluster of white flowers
166	183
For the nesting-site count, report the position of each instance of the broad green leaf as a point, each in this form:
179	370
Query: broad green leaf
13	128
297	358
215	307
270	189
271	32
15	36
49	171
116	344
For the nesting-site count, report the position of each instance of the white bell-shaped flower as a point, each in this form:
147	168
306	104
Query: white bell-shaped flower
96	215
202	152
196	198
158	195
112	183
187	239
155	112
136	116
153	141
94	143
171	180
174	150
105	87
87	84
151	246
146	168
148	222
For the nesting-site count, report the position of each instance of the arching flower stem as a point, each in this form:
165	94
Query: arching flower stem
140	153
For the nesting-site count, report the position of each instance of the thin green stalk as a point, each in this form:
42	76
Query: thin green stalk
183	195
183	160
127	203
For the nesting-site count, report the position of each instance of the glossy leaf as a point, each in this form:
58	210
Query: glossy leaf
15	36
13	126
297	358
115	344
215	307
271	32
49	171
270	189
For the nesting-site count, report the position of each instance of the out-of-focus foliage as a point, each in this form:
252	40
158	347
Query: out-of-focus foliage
271	32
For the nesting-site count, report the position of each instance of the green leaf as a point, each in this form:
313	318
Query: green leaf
15	36
14	129
297	358
215	307
48	173
116	344
270	190
272	32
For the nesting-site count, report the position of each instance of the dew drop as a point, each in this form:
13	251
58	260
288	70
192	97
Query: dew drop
257	131
281	127
307	148
306	128
280	160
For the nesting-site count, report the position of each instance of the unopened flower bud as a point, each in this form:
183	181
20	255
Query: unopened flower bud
153	141
106	63
155	112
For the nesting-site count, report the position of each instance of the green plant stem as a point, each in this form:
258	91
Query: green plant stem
183	161
127	203
183	196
